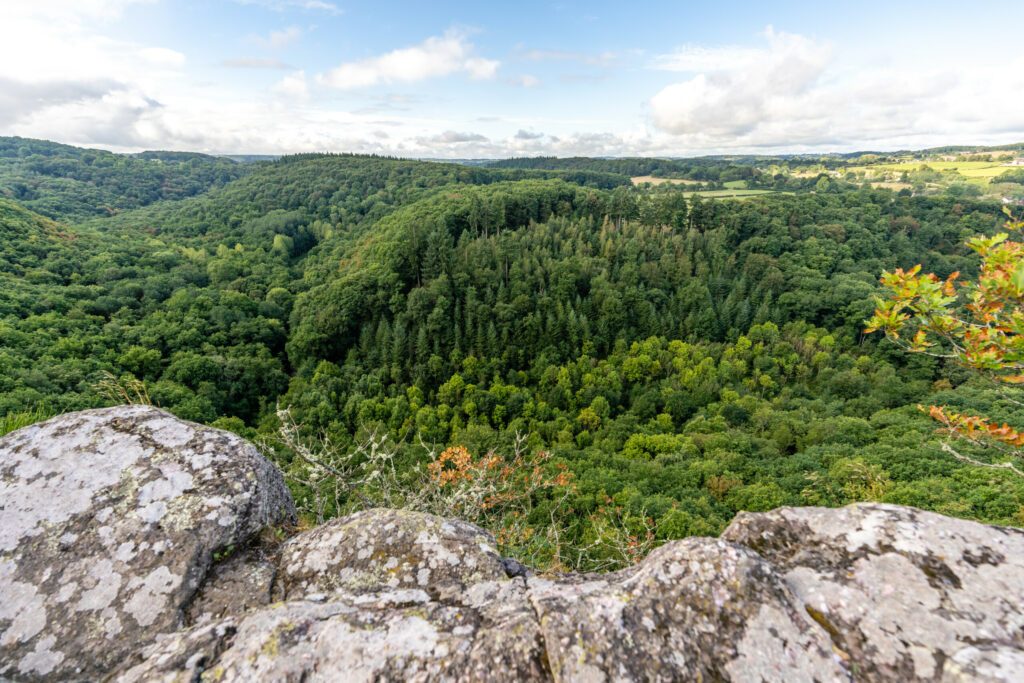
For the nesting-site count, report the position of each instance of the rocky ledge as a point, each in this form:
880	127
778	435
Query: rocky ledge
134	547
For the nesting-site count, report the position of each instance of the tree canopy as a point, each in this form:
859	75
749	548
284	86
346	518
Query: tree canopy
664	359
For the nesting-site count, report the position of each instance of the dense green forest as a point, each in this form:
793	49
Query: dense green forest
704	169
71	183
668	359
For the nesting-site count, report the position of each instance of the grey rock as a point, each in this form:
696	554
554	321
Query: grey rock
399	635
110	519
234	586
129	552
697	609
905	594
386	550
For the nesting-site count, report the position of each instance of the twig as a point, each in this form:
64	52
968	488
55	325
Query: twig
993	465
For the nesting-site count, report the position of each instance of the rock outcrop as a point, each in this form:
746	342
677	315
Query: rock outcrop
130	549
109	522
905	594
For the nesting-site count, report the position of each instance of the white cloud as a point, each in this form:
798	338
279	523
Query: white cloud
293	86
698	58
527	135
790	93
121	118
450	137
436	56
741	88
525	81
794	94
19	99
162	57
279	39
68	10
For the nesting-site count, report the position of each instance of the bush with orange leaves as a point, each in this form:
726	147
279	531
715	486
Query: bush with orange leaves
501	493
978	325
476	488
523	498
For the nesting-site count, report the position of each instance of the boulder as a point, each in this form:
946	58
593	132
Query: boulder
697	609
387	635
131	550
110	521
904	594
383	549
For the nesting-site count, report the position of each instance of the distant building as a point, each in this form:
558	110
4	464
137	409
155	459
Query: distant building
1016	162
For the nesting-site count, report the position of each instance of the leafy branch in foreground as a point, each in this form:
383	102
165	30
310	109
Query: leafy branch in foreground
978	325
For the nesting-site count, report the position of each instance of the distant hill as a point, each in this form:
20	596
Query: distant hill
71	183
701	169
250	158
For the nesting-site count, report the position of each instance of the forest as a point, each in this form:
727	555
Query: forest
585	366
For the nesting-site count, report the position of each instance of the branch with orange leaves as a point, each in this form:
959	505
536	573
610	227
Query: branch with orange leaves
985	333
979	432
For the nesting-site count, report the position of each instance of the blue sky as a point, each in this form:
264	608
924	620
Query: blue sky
478	79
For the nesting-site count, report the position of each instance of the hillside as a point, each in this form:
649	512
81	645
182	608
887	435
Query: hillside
662	360
65	182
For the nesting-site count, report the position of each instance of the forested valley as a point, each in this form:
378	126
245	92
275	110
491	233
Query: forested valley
595	365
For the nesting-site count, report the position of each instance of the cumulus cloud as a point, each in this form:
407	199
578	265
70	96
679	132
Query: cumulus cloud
119	118
793	93
739	88
293	86
19	99
527	135
436	56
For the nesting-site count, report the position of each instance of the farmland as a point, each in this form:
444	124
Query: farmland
973	171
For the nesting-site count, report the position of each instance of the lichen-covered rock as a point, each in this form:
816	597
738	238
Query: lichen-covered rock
391	635
128	553
698	609
388	549
906	595
110	520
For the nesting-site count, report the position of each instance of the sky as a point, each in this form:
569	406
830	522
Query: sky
488	79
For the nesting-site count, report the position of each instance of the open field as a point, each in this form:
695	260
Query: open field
735	194
968	169
640	179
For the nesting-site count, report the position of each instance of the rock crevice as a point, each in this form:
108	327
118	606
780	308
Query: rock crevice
112	520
